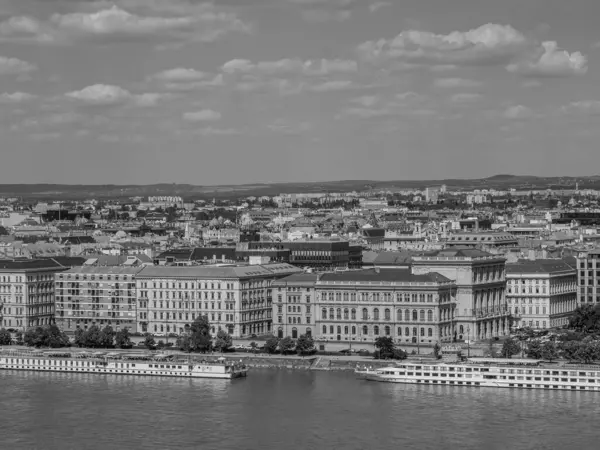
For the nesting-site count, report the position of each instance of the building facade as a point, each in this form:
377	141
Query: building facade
294	305
588	277
541	293
480	277
100	296
27	293
237	299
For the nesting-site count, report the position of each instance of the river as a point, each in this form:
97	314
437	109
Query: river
284	410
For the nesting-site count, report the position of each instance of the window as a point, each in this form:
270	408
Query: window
324	329
429	316
376	314
407	315
353	314
387	331
399	315
346	314
338	314
365	314
376	330
365	329
422	315
399	331
387	314
324	313
430	332
414	315
353	330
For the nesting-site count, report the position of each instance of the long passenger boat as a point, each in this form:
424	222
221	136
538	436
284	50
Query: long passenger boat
120	364
491	372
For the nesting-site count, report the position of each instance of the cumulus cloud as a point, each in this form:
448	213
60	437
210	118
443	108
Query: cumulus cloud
325	10
551	62
456	83
291	66
204	115
16	97
14	66
328	86
203	24
374	7
110	95
373	106
590	107
465	97
518	112
490	44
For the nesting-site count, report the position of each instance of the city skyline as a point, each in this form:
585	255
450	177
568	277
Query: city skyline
235	92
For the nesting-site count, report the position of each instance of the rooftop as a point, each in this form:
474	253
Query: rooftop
545	266
385	275
29	264
233	271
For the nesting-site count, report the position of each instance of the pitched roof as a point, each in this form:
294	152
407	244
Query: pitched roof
538	266
385	275
29	264
233	271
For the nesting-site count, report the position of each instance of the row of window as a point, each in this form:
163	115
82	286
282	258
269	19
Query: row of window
350	314
387	330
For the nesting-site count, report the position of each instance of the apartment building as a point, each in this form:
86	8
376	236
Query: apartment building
541	293
481	308
27	292
294	305
237	299
588	277
96	295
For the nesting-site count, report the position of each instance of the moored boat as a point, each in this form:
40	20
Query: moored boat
491	372
120	364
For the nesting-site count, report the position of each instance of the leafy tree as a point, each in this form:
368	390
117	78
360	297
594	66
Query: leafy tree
149	341
272	344
534	349
305	344
79	338
253	346
223	341
385	345
399	354
122	338
19	338
549	351
5	337
510	348
286	345
197	337
92	337
107	337
46	336
585	319
437	349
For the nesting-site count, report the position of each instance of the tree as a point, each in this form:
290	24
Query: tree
437	351
123	339
79	338
149	342
286	345
385	345
305	344
585	318
107	337
272	344
200	338
5	337
399	354
46	336
253	346
92	337
223	341
534	349
19	338
549	351
510	348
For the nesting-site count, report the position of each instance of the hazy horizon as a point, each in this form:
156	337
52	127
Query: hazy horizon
233	92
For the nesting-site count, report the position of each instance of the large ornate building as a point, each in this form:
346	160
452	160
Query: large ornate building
481	308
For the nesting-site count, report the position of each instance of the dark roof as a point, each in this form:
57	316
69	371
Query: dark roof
385	275
76	240
387	258
200	253
68	261
459	252
180	254
309	278
29	264
538	266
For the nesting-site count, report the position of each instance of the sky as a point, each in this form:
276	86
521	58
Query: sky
259	91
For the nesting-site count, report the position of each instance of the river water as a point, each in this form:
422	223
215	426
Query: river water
284	410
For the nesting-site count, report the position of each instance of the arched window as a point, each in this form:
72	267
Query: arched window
429	315
423	332
387	331
461	329
339	330
376	314
430	332
353	330
399	331
414	331
422	315
387	314
415	315
376	330
353	314
324	329
399	315
365	314
407	315
338	314
345	330
345	313
324	313
365	329
407	331
294	333
331	316
289	320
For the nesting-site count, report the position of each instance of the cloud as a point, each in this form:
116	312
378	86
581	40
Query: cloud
366	101
374	7
204	23
110	95
204	115
16	97
291	66
372	106
180	74
488	45
465	97
328	86
456	83
325	10
288	127
41	137
185	79
518	112
589	107
551	62
14	66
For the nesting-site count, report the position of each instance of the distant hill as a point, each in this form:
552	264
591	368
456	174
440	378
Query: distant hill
188	191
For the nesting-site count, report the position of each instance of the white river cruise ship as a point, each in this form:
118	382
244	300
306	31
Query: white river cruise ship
120	364
491	372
